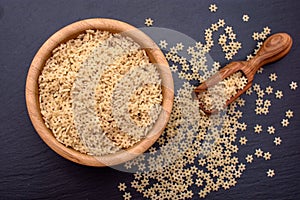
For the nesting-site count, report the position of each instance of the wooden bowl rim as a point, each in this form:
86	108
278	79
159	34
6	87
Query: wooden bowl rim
68	32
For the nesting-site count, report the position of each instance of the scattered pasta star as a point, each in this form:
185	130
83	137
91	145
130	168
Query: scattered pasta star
259	102
126	196
260	71
267	30
277	141
289	114
258	153
269	90
267	156
255	36
163	44
249	158
271	130
249	57
278	94
256	87
249	91
213	8
148	22
152	150
221	22
273	77
243	140
245	18
270	173
258	128
179	46
199	182
242	167
293	85
122	186
285	122
174	68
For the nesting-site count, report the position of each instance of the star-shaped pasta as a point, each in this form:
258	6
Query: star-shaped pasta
243	140
249	158
246	18
271	173
258	153
285	122
289	114
267	156
148	22
255	36
260	71
293	85
267	30
174	68
122	186
277	141
278	94
273	77
271	130
126	196
269	90
163	44
213	8
258	128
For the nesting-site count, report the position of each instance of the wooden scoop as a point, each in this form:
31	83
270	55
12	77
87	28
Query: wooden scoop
274	48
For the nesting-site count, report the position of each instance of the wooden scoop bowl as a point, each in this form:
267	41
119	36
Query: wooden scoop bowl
274	48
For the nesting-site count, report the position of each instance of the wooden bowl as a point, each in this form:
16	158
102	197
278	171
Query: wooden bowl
72	31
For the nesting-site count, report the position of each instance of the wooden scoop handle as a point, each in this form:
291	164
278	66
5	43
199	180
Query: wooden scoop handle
274	48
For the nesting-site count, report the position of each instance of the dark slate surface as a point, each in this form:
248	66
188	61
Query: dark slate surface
30	170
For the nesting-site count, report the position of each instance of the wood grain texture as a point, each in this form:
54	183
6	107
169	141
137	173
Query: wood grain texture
274	48
69	32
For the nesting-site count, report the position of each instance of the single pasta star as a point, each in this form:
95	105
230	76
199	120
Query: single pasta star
199	182
269	90
267	30
267	156
289	114
258	153
270	173
285	122
271	130
256	87
243	140
126	196
293	85
277	141
242	167
163	44
259	102
273	77
255	36
260	71
213	8
245	18
249	158
174	68
122	186
214	27
221	22
148	22
267	103
179	46
249	91
278	94
258	128
248	58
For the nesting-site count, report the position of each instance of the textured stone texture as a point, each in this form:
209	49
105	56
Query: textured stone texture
30	170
